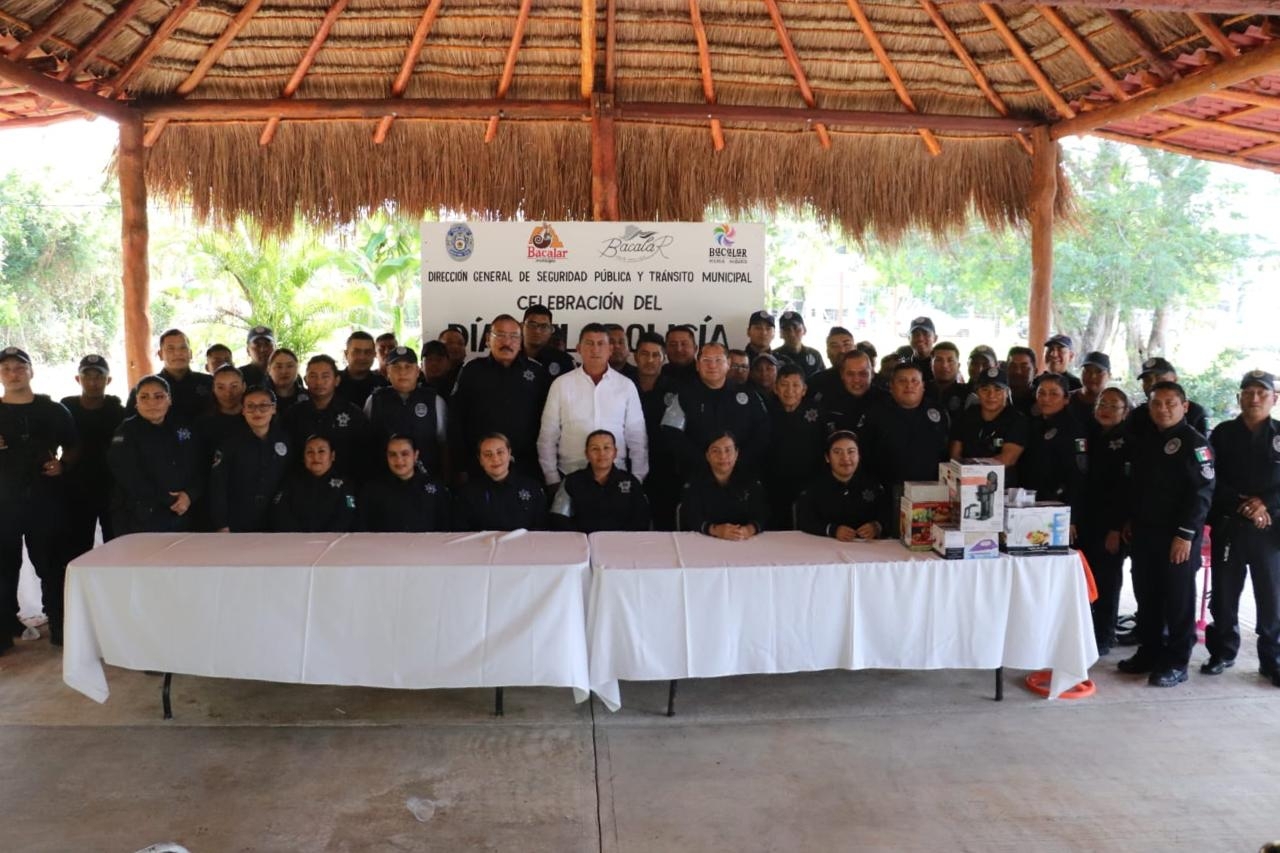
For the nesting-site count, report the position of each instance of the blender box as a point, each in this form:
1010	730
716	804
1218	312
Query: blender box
975	489
1042	528
923	502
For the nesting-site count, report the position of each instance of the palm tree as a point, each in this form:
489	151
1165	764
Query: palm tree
385	259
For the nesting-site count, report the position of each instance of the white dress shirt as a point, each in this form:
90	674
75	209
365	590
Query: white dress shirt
577	406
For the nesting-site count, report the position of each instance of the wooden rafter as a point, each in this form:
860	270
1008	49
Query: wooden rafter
797	70
890	71
966	59
1136	37
1267	102
47	27
1233	159
1255	63
401	84
207	61
1219	125
151	46
1081	49
587	71
1214	34
308	58
42	120
1024	59
610	46
509	67
704	64
105	33
63	93
1218	7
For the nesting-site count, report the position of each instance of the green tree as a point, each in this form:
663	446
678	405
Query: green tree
385	258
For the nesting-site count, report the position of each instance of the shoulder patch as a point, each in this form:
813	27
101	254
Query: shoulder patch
1207	471
1204	454
1082	445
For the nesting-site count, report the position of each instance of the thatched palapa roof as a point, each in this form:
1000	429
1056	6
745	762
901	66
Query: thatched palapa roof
879	114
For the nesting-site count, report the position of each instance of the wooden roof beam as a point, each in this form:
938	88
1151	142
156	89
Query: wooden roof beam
308	58
42	120
509	67
1214	34
1136	37
1024	59
1081	49
610	46
99	40
1232	159
890	71
587	69
966	59
151	46
1217	7
64	93
1218	126
207	61
46	28
401	83
1269	102
1232	72
797	70
704	63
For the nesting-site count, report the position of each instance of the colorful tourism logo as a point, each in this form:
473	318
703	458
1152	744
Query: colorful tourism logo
724	235
724	252
545	244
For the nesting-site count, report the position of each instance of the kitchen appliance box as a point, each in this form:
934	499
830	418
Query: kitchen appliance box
923	502
1042	528
952	543
975	488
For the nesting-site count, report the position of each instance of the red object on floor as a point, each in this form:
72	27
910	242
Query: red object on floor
1038	683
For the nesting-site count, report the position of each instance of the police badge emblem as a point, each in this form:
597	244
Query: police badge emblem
335	483
1172	446
459	241
553	368
934	415
1050	433
429	488
528	375
282	449
625	487
184	434
670	397
1275	444
342	420
420	410
1207	471
741	397
524	495
811	415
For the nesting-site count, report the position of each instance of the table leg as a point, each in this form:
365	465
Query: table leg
671	699
497	702
999	684
164	696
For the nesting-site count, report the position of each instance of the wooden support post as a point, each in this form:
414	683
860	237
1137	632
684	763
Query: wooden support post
1043	195
131	167
604	160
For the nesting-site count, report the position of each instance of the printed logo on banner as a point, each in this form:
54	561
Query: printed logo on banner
724	252
459	241
635	245
545	244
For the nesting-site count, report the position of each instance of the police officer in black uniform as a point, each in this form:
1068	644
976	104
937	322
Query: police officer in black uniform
1056	460
993	429
760	329
33	428
723	500
922	335
620	351
707	408
500	497
88	484
334	417
1095	373
1155	370
1246	504
843	502
1172	488
437	370
216	356
947	390
538	328
681	345
656	393
1103	509
315	499
601	496
839	342
845	406
249	468
358	379
404	498
1059	352
1020	365
407	408
158	465
504	392
260	343
190	390
794	454
793	349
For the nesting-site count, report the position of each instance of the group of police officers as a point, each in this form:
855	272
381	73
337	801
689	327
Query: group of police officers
723	441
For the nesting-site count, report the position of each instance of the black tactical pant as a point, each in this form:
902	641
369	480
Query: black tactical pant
1166	594
1239	547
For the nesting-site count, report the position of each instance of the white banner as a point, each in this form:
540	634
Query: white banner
644	276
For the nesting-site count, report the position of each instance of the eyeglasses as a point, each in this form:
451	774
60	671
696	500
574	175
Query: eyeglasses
742	367
259	407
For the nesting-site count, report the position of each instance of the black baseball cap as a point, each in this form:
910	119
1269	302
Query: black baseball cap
1155	365
15	352
94	362
434	348
992	376
761	317
1258	377
260	332
401	354
791	318
922	323
766	356
986	352
1060	341
1098	359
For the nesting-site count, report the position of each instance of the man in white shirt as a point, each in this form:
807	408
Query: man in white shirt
592	397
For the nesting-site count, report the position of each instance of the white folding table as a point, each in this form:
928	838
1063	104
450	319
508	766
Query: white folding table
666	606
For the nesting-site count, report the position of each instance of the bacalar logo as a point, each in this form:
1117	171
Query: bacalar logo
723	251
545	245
635	245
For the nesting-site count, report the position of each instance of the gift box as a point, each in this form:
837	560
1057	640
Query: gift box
952	543
923	503
1042	528
975	489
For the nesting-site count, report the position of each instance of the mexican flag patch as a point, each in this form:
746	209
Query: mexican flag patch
1203	454
1082	445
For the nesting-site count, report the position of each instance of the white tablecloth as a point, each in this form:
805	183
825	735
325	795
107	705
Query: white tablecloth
373	609
684	605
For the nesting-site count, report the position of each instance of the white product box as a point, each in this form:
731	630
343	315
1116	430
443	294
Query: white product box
1044	528
923	503
975	488
952	543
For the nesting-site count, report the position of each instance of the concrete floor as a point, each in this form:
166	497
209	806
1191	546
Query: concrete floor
892	761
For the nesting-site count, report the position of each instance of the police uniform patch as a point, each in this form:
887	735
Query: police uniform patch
524	495
1148	364
553	368
10	350
1172	446
282	449
808	359
811	415
1050	433
625	487
1117	443
934	415
117	439
342	420
217	458
277	498
741	397
420	410
1207	471
1082	445
335	483
430	488
670	397
869	495
997	442
351	501
1203	454
183	434
528	375
1275	444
